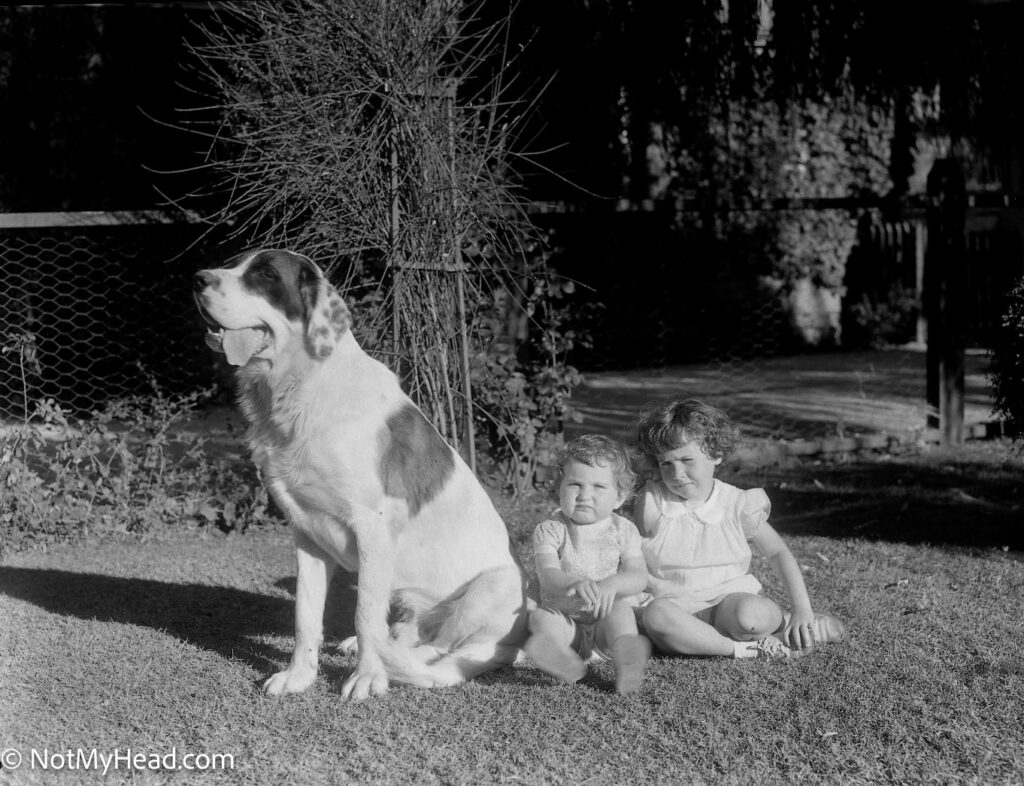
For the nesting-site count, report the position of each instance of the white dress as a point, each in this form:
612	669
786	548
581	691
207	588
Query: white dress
698	556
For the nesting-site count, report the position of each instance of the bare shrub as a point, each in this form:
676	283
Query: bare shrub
375	137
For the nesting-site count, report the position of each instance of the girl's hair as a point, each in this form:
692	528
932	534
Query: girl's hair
669	426
594	449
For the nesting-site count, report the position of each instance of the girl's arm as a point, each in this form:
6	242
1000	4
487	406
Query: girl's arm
553	580
631	578
798	633
601	595
645	513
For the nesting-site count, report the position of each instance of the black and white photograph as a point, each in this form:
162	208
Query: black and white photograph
457	392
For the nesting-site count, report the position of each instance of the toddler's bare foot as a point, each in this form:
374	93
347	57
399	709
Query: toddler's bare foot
552	658
630	654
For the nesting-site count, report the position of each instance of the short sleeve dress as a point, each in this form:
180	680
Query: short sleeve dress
698	556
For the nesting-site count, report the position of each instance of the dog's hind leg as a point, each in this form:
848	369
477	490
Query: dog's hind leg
314	571
407	607
479	629
494	601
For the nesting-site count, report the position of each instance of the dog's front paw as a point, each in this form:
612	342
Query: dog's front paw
288	681
365	683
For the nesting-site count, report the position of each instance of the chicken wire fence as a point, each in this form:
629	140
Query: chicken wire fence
96	307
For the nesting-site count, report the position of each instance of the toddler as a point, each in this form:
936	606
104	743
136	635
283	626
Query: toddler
589	564
696	532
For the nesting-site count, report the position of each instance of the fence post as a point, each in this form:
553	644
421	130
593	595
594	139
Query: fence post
920	244
943	298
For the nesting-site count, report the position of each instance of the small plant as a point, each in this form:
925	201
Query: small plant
22	344
889	320
1006	369
522	397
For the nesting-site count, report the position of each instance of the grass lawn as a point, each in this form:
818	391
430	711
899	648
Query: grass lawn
160	642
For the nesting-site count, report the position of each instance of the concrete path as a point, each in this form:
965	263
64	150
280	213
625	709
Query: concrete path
820	397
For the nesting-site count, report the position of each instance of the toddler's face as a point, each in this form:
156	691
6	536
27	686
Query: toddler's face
588	494
688	472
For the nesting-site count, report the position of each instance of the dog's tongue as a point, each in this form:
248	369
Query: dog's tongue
240	345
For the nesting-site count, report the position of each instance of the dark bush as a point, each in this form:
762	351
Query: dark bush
885	320
1006	370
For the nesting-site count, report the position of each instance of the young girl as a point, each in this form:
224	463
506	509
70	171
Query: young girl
696	547
589	562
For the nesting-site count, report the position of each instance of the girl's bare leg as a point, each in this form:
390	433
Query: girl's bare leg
743	616
675	630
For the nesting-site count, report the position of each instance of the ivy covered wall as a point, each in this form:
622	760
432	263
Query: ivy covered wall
762	152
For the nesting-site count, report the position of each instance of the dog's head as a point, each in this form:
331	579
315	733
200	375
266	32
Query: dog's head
262	301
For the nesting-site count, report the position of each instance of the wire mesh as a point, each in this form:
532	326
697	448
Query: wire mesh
92	313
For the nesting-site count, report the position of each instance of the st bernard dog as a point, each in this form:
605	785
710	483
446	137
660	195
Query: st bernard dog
366	482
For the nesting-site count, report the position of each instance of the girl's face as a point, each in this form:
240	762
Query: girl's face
688	472
588	494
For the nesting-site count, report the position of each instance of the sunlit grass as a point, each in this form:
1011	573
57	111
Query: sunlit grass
160	642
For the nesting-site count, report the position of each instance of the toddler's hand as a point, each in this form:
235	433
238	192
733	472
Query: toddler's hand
598	599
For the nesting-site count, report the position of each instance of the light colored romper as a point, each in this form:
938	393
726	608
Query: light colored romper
593	551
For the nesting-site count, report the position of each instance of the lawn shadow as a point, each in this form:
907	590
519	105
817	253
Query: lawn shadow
529	675
228	621
955	503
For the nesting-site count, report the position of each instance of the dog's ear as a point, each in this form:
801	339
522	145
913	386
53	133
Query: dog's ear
326	315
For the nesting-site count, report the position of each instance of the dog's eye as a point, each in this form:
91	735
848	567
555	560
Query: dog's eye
267	273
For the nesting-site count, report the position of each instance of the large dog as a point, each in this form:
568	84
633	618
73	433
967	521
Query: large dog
367	484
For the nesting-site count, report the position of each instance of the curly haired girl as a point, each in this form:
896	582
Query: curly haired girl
697	532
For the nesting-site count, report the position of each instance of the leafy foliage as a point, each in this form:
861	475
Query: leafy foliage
714	108
829	148
760	152
627	67
887	320
125	469
1007	367
523	397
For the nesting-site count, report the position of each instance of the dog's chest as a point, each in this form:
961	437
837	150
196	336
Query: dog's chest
313	481
314	504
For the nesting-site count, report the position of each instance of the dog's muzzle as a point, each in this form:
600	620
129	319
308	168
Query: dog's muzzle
239	346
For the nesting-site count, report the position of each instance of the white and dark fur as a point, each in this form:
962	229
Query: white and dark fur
367	484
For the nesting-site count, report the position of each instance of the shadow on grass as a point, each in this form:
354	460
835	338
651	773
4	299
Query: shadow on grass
225	620
941	503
